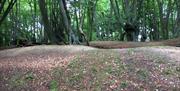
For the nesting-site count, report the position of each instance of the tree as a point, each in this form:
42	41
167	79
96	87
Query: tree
6	10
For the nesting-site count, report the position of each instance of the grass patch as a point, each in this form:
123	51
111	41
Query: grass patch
20	80
130	51
96	66
75	80
75	74
142	74
124	85
160	61
168	71
53	86
16	81
57	73
29	76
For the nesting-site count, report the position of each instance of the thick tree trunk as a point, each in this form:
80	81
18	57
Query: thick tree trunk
164	21
91	10
47	26
67	22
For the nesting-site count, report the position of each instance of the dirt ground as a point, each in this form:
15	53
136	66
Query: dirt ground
82	68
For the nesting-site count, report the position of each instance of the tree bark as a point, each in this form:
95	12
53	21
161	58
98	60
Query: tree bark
91	10
66	22
45	19
10	6
177	21
164	21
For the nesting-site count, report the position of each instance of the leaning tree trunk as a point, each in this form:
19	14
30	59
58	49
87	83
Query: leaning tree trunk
81	30
66	22
6	12
47	26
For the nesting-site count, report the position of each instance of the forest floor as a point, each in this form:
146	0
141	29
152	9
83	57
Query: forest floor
82	68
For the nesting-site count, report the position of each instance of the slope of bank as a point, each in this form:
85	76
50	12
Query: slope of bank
68	68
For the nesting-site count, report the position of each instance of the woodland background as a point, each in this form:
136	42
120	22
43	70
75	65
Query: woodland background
27	22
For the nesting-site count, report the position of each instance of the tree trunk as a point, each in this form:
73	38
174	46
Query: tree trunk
66	22
177	21
47	27
6	12
91	10
164	21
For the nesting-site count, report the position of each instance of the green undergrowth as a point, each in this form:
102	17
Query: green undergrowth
20	80
94	70
53	86
101	70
